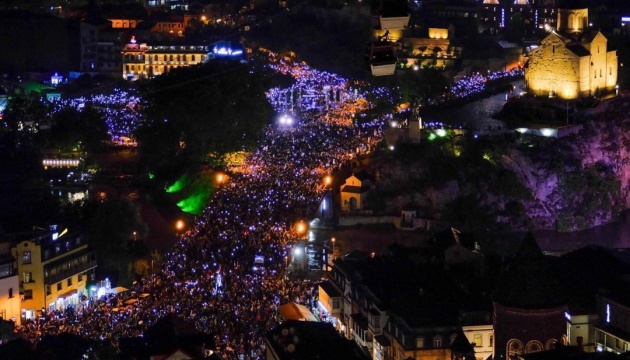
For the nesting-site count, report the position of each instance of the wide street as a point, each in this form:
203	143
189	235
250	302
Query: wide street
208	276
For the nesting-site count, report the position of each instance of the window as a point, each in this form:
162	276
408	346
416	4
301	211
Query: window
420	343
600	72
70	281
437	341
28	294
80	277
491	340
10	293
26	257
28	277
59	286
336	302
553	49
48	292
376	321
477	339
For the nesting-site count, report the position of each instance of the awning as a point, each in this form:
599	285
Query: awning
293	311
68	294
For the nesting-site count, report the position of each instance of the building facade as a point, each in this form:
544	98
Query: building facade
53	269
142	61
612	334
9	290
529	304
572	61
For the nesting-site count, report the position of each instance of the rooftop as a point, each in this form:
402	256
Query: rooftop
307	340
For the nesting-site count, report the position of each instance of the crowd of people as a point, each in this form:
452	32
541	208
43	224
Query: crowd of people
472	85
119	109
209	277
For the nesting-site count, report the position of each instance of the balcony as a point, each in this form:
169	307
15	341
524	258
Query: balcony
60	274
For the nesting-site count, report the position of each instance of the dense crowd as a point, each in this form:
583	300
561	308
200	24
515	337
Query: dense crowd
120	110
208	277
472	85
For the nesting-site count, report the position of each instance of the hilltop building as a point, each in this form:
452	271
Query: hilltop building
572	61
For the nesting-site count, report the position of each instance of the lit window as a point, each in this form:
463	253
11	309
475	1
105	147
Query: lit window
28	277
420	343
26	257
477	339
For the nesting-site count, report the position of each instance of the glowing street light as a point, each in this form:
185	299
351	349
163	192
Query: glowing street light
333	247
221	178
286	120
300	228
328	180
179	225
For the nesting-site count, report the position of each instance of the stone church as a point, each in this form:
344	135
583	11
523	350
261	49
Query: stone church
572	61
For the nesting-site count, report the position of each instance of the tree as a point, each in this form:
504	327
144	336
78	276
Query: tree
72	128
213	108
110	229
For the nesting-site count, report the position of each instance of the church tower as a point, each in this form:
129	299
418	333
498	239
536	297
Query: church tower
572	20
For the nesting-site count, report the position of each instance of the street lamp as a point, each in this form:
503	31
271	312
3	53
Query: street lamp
220	178
300	228
328	180
333	247
179	225
135	236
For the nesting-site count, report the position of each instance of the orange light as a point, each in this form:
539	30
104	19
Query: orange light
220	178
328	179
301	227
180	224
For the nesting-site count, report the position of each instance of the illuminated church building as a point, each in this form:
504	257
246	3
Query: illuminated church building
572	61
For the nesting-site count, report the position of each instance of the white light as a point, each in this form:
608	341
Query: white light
607	313
297	251
440	132
547	132
391	147
394	124
522	130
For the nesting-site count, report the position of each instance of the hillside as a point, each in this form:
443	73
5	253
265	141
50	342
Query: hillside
512	181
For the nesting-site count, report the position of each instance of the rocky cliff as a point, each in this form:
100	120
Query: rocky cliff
573	182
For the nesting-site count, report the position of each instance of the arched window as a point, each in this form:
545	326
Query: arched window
533	346
572	21
514	347
551	344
